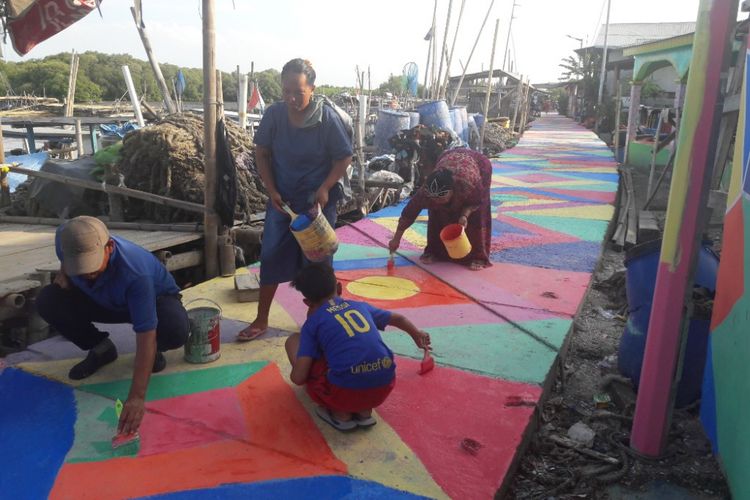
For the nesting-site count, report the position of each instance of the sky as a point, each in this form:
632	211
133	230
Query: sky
338	35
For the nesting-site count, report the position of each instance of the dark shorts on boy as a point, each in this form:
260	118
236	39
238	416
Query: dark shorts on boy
342	399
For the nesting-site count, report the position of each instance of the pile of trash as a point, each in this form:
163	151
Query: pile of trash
497	139
167	159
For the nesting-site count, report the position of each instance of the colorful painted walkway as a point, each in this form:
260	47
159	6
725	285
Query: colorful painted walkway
238	427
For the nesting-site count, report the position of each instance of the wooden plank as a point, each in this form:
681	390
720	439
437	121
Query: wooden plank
17	286
49	121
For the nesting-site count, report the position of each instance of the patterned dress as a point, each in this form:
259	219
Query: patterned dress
472	176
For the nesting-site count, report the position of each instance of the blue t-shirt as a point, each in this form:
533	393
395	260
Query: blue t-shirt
346	333
132	281
302	158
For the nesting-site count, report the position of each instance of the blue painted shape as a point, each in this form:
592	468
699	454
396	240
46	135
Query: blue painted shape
575	256
594	176
375	263
36	431
332	487
708	402
499	228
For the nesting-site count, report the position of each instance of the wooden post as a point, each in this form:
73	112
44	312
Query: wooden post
133	96
453	48
489	88
210	219
654	152
635	103
72	79
4	186
242	102
434	51
2	144
683	228
138	18
79	138
112	178
429	54
519	94
363	105
30	138
476	41
436	90
618	112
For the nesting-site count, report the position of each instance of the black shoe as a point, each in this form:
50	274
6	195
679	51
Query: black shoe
104	353
160	362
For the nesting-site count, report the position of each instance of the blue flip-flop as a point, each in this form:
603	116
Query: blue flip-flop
365	422
327	417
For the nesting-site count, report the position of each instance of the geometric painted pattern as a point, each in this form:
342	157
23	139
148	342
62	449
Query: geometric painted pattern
238	427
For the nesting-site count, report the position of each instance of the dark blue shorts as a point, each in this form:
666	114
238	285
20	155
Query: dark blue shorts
281	257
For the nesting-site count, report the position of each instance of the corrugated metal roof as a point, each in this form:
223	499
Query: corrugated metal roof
629	34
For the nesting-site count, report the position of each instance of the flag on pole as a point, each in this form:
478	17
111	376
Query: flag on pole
256	100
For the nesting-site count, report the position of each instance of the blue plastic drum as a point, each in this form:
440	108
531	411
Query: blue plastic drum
435	113
389	124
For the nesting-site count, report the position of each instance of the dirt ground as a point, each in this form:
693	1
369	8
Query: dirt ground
589	370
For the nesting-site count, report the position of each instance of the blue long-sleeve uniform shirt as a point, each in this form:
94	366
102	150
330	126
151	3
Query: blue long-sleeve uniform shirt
134	278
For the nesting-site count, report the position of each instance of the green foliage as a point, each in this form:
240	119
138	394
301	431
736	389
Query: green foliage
651	89
331	90
269	83
584	69
396	85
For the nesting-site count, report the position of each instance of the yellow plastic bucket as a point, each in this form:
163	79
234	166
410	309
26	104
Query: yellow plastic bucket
455	240
315	235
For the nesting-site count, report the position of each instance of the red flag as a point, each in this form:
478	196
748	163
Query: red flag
254	99
43	19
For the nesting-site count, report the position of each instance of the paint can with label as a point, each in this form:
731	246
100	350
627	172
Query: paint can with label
204	338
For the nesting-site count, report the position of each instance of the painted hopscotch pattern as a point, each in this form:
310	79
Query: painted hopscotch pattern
239	427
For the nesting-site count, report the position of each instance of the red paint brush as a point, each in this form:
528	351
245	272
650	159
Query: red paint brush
391	265
122	439
427	362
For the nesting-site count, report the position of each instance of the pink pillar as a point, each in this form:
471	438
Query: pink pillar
635	103
688	196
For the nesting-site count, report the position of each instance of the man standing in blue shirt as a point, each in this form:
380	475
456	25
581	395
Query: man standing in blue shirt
107	279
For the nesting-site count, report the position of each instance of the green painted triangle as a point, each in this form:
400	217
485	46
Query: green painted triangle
584	229
179	384
496	350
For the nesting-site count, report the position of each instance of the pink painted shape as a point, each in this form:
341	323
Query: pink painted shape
372	230
458	315
291	300
518	285
602	196
540	178
543	206
434	413
192	420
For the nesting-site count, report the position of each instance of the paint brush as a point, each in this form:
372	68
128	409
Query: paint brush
391	265
427	362
121	439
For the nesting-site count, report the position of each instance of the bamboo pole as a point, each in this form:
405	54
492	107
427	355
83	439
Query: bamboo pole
453	48
476	41
79	138
138	18
489	88
133	96
242	102
429	54
618	109
519	91
72	79
105	188
436	90
434	50
210	219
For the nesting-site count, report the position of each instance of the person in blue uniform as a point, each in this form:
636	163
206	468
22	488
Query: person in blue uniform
339	355
108	279
302	150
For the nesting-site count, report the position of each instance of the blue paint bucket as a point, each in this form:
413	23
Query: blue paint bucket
435	113
463	118
389	124
642	262
413	118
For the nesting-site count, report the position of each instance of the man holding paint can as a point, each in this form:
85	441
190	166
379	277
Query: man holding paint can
108	279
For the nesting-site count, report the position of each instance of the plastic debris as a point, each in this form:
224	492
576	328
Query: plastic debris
582	434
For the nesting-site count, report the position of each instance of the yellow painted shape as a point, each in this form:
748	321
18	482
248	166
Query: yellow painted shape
221	291
376	455
410	235
383	288
530	203
596	212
